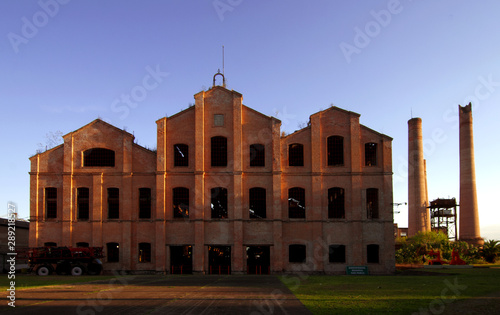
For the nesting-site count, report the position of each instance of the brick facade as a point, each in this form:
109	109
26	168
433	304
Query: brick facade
312	217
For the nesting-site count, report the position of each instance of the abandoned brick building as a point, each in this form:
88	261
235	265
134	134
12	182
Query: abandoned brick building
225	192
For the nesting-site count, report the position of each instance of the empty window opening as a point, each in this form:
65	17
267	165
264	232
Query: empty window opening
370	154
113	203
336	208
219	260
372	254
257	155
335	150
181	259
257	203
258	260
219	151
82	197
297	253
372	203
180	198
181	154
295	154
296	203
99	157
218	203
51	202
50	244
144	252
336	254
82	244
113	252
144	203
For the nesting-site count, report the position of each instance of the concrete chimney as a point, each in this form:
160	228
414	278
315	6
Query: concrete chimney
469	215
418	214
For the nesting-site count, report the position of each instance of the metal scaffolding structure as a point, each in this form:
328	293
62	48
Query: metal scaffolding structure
444	216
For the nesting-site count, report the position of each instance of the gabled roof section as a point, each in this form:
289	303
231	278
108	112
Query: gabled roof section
218	87
260	114
375	132
99	121
335	108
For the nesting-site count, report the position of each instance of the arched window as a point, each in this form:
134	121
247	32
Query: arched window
181	154
336	209
180	198
370	154
335	150
257	155
296	203
218	203
99	157
257	203
295	154
219	151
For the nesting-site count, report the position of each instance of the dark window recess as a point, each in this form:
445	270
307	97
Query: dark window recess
372	203
218	203
144	203
296	203
297	253
99	157
82	200
51	202
295	154
113	252
144	252
336	206
335	150
257	155
372	254
181	155
336	253
370	154
50	244
257	203
180	198
219	151
219	260
82	244
181	259
113	203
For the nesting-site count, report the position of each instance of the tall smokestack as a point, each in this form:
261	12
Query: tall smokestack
418	214
469	215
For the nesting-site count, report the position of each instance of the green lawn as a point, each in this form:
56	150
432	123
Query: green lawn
396	294
31	281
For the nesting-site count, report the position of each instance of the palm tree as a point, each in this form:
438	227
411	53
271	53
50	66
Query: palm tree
490	250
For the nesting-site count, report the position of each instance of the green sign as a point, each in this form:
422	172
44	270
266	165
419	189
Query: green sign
357	270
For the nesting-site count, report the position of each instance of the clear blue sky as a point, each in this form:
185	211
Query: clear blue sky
65	63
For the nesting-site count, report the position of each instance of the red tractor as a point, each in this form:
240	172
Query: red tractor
65	260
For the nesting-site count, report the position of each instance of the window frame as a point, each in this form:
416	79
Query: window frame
214	195
144	253
181	155
295	154
218	151
335	150
297	194
81	201
145	203
257	198
113	203
336	206
98	157
50	202
372	205
113	252
257	155
180	197
371	149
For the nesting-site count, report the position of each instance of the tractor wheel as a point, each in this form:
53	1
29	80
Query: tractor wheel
94	269
44	270
77	270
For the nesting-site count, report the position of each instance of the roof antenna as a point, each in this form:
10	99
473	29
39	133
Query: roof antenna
411	113
222	59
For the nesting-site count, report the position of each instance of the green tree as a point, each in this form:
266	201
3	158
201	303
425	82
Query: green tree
490	250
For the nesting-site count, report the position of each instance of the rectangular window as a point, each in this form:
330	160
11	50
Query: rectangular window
144	252
296	203
99	157
336	209
219	151
257	155
113	252
51	202
295	154
372	203
181	154
336	253
82	244
113	203
297	253
180	198
82	197
372	254
335	150
257	203
370	154
218	120
144	203
218	203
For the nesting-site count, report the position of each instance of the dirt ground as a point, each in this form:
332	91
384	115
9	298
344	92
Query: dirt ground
239	295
